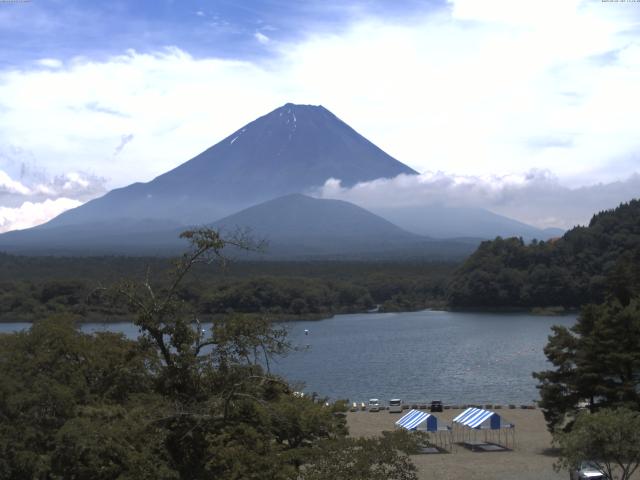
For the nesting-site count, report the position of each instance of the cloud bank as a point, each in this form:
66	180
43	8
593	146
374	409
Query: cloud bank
536	197
36	198
30	214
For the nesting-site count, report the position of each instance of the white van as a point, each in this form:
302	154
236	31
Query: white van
374	405
395	405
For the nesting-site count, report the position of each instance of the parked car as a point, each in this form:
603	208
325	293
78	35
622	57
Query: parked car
374	405
436	406
395	405
587	470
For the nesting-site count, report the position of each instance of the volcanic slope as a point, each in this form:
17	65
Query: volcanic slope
290	150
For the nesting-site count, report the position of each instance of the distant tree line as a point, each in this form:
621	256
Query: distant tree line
281	290
571	271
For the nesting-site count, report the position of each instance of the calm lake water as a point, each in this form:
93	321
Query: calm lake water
420	356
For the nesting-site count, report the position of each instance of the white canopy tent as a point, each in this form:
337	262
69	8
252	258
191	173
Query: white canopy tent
468	424
416	420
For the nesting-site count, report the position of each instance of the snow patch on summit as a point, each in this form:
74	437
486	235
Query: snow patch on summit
239	132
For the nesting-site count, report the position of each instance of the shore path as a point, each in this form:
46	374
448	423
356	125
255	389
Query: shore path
531	459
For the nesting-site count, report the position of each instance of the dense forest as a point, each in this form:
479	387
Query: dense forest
504	273
32	288
569	272
179	402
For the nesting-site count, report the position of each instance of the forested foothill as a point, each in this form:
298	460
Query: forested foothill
590	396
568	272
504	273
32	287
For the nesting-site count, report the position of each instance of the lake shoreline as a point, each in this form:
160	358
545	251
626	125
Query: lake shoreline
286	318
537	311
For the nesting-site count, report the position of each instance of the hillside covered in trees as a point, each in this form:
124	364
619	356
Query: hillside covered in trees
32	288
576	269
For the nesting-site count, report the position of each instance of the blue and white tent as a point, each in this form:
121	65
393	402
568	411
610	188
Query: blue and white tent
474	419
478	418
440	437
417	420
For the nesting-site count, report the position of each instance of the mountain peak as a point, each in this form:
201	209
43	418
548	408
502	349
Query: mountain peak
289	112
292	149
297	216
301	105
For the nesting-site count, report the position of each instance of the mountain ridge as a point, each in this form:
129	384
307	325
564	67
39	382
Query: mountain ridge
438	221
300	226
303	216
291	149
573	270
295	226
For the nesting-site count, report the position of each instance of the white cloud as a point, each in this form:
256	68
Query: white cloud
74	180
536	197
30	214
446	94
475	90
37	186
176	106
8	185
50	63
76	185
519	12
261	38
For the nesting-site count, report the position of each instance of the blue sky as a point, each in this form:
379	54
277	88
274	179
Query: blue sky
496	102
65	29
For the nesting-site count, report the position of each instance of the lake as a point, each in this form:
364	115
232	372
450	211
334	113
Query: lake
419	356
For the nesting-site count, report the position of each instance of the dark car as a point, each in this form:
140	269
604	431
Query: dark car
587	470
436	406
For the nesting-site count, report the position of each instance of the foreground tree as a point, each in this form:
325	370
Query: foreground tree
596	362
71	402
365	458
181	402
608	438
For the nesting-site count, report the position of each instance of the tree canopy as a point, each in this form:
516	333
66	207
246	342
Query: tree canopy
596	362
180	402
570	271
609	439
32	289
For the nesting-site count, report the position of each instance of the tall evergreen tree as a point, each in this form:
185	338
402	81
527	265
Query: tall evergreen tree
596	362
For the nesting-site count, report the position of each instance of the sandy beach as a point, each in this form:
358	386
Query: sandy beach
531	458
